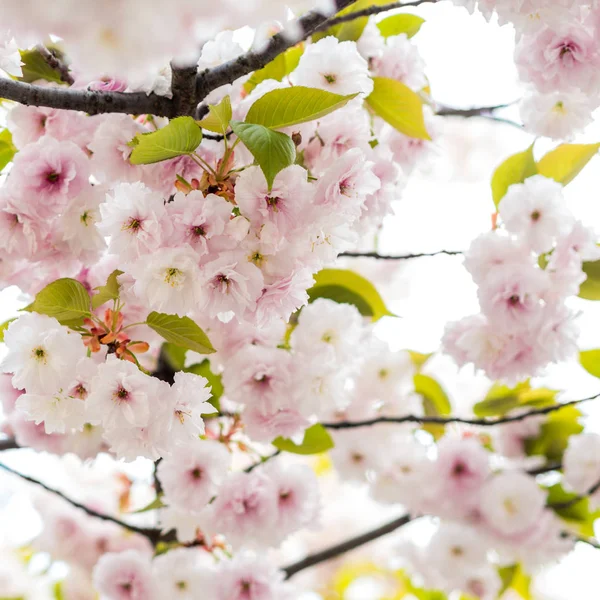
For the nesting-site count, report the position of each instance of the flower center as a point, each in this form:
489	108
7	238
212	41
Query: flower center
514	300
198	231
121	394
40	355
133	225
329	78
52	177
535	215
182	585
196	473
273	202
85	217
174	277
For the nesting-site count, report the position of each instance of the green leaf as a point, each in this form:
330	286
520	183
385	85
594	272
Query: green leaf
181	136
218	117
4	327
435	401
181	331
566	161
590	361
174	355
277	69
514	578
399	106
293	105
350	30
108	291
7	148
272	150
154	505
35	67
578	514
397	24
64	299
214	381
501	399
515	169
590	288
316	440
555	433
418	358
347	287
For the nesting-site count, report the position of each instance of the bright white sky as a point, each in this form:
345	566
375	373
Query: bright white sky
469	63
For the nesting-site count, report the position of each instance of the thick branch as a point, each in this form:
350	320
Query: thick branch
90	102
183	88
346	546
152	534
399	256
211	79
484	422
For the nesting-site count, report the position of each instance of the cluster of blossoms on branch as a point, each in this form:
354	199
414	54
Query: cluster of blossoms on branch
215	232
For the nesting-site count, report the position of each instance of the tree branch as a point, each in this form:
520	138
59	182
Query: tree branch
154	535
8	444
211	79
576	499
399	256
54	62
183	88
332	552
91	102
483	422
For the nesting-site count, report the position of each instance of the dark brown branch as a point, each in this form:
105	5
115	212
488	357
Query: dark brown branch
575	499
211	79
548	468
346	546
484	422
399	256
8	444
90	102
153	535
262	461
54	62
183	88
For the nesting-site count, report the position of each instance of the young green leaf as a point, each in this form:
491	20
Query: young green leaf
350	31
435	401
294	105
154	505
515	169
397	24
554	434
590	288
316	440
7	148
174	356
64	299
108	291
215	382
345	286
181	331
278	68
218	117
590	361
4	327
272	150
36	67
577	514
397	104
501	399
566	161
181	136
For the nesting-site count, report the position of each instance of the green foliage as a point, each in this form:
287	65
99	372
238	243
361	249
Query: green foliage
590	361
294	105
278	68
435	401
578	514
272	150
566	161
174	355
347	287
316	440
399	106
218	117
418	358
154	505
397	24
7	148
108	291
64	299
58	593
555	433
35	67
515	169
501	399
350	30
181	331
515	579
590	288
180	137
214	381
4	327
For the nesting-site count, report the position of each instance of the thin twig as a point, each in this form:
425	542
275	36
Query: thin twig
483	422
262	461
575	499
399	256
152	534
346	546
54	62
548	468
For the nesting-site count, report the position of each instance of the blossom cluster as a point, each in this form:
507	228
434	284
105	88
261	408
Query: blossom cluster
525	270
